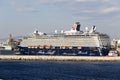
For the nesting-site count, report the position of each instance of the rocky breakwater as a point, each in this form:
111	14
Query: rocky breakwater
60	58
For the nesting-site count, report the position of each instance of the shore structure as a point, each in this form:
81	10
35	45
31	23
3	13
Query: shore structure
115	45
68	43
9	44
60	58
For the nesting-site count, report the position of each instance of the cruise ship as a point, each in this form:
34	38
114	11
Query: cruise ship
74	42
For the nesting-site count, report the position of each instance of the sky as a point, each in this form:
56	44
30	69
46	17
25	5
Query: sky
20	17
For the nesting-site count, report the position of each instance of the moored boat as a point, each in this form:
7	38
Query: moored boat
113	53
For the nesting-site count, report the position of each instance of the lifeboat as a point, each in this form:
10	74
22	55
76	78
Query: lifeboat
70	47
63	47
29	46
41	47
79	47
33	47
36	47
48	46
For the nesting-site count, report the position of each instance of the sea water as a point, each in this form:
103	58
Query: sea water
57	70
7	52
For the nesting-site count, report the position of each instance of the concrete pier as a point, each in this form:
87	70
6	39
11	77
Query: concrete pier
61	58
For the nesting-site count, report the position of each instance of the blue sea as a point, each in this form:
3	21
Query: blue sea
55	70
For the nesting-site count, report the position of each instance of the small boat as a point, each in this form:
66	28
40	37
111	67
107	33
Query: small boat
113	53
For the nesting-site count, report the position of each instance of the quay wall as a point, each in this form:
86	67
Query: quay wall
60	58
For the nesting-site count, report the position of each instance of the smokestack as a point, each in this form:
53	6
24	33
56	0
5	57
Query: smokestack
78	26
94	28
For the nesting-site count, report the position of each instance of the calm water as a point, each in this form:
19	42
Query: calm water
42	70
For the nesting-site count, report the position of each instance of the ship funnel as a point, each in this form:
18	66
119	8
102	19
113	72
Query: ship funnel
78	26
36	32
93	29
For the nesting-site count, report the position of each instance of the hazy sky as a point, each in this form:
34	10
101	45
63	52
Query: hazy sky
19	17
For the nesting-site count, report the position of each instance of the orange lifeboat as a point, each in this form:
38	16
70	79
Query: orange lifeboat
36	47
29	47
63	47
48	46
41	47
70	47
79	47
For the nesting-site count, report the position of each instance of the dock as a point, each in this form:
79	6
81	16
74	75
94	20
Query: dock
60	58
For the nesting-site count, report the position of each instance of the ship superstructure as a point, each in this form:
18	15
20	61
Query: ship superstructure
73	42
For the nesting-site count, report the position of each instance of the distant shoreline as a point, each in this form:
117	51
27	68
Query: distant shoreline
60	58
